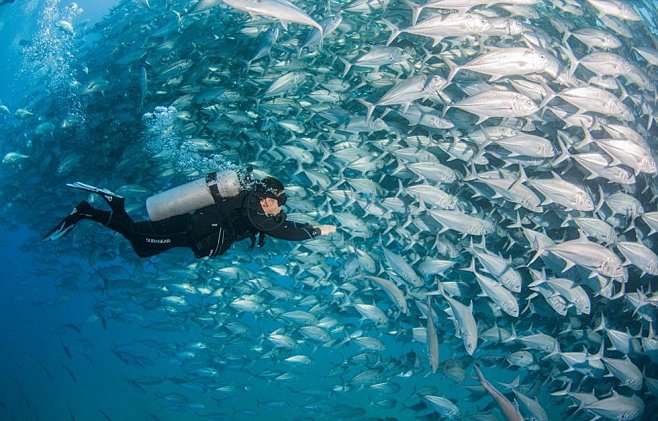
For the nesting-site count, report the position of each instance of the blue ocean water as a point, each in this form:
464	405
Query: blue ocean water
89	331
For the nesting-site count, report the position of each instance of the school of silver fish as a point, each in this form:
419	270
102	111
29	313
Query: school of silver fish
490	165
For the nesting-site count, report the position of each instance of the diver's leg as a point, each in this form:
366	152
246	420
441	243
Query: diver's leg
149	238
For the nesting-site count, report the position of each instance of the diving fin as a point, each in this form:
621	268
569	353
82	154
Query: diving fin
115	201
67	223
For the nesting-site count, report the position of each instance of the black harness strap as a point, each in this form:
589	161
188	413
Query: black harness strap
211	182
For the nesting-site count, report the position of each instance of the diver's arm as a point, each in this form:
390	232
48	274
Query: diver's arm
295	231
279	227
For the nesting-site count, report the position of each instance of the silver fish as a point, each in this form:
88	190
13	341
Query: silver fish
502	62
282	10
509	410
590	256
496	104
443	26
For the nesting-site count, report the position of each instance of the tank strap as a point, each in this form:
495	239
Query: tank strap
211	182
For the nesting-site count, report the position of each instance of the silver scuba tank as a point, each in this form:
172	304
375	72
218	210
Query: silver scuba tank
194	195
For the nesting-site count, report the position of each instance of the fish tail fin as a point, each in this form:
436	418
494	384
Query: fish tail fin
587	140
514	384
622	290
517	223
445	109
399	168
574	62
488	140
563	392
369	106
556	350
416	9
601	201
539	252
395	31
568	221
453	69
565	152
522	178
471	174
471	266
642	298
601	325
624	93
347	65
439	289
550	94
512	337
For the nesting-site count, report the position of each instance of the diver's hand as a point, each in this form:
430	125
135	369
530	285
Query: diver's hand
327	229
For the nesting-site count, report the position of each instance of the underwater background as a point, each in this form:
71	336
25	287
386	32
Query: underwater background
139	96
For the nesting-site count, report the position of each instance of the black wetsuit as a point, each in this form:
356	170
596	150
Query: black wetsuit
209	231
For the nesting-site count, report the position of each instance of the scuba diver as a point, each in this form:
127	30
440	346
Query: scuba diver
226	208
